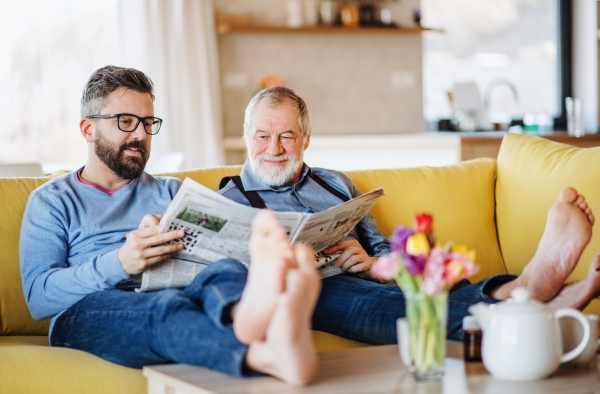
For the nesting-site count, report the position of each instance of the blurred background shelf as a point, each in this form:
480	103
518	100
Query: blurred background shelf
268	29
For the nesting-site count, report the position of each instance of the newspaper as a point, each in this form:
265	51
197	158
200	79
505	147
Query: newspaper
217	227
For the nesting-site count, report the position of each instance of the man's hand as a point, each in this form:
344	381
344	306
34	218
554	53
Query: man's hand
150	220
353	258
141	249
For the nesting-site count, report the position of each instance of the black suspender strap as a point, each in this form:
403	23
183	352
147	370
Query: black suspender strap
252	196
328	187
361	238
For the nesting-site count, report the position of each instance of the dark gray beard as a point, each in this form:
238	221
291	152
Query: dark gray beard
124	166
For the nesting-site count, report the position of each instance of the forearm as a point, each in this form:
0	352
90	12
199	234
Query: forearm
50	289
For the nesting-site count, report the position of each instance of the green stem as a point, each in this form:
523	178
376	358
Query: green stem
427	323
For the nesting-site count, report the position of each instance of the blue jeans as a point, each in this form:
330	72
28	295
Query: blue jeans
366	311
190	325
193	325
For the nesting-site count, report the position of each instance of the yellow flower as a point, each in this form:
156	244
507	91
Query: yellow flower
462	249
418	244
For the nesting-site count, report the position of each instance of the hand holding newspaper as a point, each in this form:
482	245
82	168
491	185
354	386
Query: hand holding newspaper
216	228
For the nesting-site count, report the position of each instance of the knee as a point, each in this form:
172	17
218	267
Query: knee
224	269
228	266
170	300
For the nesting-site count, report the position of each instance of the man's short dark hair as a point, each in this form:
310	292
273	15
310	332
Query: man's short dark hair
106	80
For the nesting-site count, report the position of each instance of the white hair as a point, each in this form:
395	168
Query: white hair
273	97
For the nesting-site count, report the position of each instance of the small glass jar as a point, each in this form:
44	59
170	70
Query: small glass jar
471	339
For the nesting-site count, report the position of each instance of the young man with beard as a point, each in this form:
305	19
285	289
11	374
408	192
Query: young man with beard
277	131
80	242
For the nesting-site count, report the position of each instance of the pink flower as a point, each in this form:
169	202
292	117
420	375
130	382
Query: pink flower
387	266
423	223
454	272
470	267
433	275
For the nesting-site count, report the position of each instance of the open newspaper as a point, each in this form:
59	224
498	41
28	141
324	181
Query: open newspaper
217	227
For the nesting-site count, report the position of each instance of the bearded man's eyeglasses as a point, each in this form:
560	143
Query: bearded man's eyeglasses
129	122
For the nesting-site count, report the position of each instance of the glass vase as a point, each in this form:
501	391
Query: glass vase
427	319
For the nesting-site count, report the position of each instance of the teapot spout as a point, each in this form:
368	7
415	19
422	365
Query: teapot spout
481	311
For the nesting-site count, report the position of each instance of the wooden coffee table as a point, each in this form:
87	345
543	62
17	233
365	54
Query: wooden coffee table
370	370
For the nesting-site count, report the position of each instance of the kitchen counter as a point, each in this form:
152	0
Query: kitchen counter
435	149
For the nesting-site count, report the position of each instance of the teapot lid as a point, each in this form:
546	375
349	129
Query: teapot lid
521	302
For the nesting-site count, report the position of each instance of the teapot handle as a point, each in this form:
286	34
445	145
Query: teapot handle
586	332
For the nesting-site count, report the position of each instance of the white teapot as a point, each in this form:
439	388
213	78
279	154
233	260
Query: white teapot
522	339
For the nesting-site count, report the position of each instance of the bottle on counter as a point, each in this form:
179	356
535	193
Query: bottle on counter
294	14
350	15
471	339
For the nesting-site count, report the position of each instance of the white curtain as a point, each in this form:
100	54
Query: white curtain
174	43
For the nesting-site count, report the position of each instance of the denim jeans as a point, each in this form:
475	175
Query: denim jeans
366	311
190	325
193	325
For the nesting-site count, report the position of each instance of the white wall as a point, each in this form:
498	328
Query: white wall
353	84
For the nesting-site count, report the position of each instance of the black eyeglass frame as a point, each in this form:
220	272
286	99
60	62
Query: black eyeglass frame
118	116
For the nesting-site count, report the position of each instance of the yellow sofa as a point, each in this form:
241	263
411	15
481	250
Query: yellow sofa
501	217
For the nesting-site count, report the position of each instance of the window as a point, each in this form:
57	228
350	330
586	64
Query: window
49	50
509	48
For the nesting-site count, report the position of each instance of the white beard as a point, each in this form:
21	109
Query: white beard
276	176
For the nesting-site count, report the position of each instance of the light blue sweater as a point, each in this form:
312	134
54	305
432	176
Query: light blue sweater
71	234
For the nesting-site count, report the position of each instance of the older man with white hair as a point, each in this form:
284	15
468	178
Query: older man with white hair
277	131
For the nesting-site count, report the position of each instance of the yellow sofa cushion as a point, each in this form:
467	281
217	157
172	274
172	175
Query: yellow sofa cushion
531	173
460	197
28	365
209	177
14	315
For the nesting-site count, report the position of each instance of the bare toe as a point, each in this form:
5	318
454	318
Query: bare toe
265	223
568	195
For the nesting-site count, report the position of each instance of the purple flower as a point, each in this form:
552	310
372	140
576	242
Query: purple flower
414	264
399	238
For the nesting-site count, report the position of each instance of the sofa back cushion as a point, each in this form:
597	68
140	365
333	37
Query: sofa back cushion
460	197
14	315
531	173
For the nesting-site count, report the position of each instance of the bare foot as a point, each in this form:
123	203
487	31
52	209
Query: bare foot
579	294
567	233
288	352
270	258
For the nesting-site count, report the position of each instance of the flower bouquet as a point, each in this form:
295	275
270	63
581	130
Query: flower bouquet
425	271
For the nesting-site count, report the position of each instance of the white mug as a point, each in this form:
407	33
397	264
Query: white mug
572	333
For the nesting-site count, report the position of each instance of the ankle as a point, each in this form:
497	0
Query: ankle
259	358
